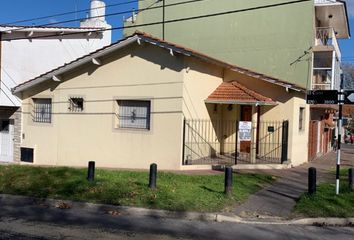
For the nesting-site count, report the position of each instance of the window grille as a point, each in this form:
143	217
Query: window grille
134	114
42	111
76	104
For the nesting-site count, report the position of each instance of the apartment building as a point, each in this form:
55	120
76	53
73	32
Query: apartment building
295	41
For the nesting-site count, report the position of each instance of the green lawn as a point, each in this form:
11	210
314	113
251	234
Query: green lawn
175	191
325	203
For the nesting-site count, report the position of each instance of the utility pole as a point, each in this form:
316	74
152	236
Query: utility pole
163	19
339	139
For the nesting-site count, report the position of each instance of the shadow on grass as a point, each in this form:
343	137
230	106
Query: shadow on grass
210	190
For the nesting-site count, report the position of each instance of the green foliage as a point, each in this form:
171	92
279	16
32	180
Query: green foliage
325	203
350	126
175	191
348	72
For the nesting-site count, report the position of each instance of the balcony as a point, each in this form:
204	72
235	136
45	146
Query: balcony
322	79
326	71
332	13
326	40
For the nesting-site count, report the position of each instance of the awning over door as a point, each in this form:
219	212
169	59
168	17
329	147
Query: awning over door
235	93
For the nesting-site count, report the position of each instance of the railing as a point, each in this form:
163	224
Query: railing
325	36
322	79
209	142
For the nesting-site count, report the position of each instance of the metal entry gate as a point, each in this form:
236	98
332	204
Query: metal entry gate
208	142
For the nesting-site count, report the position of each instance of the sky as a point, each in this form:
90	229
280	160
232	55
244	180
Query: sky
15	10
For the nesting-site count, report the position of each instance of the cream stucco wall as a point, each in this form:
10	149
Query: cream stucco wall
76	138
177	87
200	80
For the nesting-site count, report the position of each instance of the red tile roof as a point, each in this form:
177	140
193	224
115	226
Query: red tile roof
235	68
234	92
155	41
348	110
328	108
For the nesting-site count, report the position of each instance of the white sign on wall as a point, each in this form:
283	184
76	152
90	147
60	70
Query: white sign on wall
244	131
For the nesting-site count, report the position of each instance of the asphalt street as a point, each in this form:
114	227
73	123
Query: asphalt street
28	218
35	220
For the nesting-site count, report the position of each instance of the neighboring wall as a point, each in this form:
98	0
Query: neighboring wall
269	40
22	60
76	138
14	115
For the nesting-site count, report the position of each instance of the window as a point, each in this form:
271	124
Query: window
76	104
134	114
301	119
42	110
5	126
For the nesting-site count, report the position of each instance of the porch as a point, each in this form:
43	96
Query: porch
222	142
236	132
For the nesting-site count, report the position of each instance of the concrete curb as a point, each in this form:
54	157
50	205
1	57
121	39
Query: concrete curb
191	216
274	221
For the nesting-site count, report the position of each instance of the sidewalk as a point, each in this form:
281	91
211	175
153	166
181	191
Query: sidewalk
279	199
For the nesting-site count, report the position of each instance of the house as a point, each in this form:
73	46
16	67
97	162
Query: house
296	41
27	51
143	100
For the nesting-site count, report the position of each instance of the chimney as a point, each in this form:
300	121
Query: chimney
98	10
96	18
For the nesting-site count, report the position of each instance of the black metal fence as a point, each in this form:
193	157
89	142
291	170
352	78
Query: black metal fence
218	142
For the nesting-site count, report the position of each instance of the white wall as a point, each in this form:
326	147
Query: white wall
22	60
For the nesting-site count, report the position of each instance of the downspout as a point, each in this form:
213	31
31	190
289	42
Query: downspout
163	19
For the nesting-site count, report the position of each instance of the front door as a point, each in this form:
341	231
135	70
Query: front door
6	140
246	115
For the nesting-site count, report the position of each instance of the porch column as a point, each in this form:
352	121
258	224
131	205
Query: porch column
253	152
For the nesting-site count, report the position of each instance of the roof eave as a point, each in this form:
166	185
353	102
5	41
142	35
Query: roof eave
72	65
256	103
347	16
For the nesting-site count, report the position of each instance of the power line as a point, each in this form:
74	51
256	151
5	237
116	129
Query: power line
2	82
73	12
169	21
110	14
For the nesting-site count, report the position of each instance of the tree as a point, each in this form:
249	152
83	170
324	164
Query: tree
350	127
348	73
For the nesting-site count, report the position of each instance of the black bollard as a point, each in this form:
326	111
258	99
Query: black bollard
91	171
351	179
228	181
153	175
312	180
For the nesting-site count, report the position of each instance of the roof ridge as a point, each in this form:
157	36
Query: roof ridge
169	46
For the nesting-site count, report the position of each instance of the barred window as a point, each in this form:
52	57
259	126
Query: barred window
134	114
42	110
76	104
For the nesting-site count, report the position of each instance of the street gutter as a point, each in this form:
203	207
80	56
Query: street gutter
67	205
